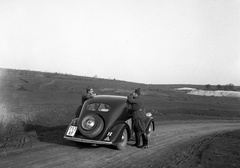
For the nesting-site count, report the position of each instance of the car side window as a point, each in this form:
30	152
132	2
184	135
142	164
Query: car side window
92	107
97	106
104	108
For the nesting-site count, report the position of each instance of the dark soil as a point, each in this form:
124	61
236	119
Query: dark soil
223	151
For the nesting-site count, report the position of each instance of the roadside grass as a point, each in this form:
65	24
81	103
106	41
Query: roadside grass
10	119
5	117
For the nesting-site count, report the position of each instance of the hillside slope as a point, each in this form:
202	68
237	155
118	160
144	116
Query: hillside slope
51	99
36	107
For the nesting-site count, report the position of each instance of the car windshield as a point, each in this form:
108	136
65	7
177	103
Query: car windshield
98	107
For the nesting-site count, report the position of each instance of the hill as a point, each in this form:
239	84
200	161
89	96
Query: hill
38	106
31	97
31	100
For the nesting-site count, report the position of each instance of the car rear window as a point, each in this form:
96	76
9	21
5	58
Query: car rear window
98	107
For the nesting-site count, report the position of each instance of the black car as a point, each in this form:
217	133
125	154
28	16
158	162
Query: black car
105	119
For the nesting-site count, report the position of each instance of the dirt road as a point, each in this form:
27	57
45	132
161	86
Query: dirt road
171	145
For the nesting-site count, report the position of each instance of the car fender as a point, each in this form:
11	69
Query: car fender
115	133
149	121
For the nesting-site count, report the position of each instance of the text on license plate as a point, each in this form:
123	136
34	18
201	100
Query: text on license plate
71	131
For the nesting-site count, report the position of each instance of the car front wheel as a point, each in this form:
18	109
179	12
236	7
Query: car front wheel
150	129
122	145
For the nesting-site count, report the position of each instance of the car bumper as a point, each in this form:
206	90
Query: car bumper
87	140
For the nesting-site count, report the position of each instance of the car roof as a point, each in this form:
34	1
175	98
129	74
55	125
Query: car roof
109	99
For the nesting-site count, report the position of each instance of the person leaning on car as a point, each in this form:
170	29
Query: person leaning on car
139	118
88	95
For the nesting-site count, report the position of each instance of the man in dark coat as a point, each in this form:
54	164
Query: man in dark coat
89	94
139	118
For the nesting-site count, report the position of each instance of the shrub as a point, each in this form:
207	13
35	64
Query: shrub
229	87
219	87
208	87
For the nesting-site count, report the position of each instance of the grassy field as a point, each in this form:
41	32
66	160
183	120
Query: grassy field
30	99
51	99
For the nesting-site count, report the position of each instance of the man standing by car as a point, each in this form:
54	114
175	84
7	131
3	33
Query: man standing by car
88	95
139	118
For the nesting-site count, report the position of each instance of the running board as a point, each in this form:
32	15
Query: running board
87	140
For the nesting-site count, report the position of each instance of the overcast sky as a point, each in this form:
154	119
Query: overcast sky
146	41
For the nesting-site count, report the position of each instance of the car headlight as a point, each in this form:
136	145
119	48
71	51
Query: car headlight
149	114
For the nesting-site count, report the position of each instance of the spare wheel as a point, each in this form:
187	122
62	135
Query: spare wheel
91	125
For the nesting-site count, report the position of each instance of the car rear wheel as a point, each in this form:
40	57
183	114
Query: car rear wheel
122	145
91	125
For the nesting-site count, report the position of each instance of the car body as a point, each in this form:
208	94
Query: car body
105	119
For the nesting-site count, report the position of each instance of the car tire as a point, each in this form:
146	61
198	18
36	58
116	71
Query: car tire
95	130
122	145
149	129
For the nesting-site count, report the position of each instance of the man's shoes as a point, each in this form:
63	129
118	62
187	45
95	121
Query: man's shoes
145	146
137	145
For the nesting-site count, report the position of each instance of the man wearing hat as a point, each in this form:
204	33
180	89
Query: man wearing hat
139	118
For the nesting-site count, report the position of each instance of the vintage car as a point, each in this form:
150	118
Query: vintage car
105	119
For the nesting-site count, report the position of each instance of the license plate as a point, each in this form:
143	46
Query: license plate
71	131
